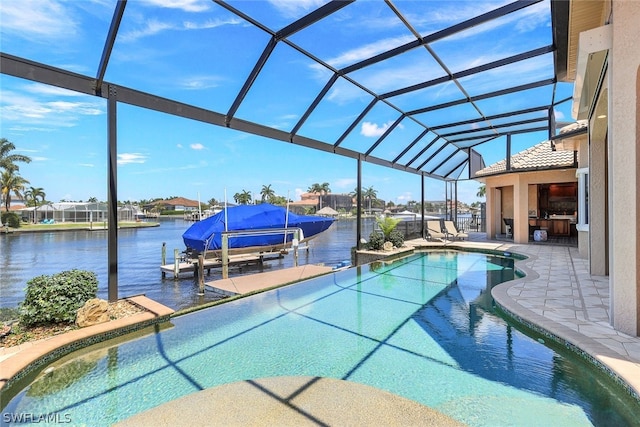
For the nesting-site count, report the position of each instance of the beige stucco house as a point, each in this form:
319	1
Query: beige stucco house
536	189
597	50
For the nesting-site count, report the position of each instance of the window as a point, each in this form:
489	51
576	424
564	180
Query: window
583	199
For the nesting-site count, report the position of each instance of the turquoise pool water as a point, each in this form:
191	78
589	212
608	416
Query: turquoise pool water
421	327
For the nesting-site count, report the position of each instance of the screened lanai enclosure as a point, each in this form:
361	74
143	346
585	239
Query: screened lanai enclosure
76	212
429	88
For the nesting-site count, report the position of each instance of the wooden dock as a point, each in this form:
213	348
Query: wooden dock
191	266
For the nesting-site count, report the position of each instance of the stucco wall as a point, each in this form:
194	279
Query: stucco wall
583	162
515	198
625	134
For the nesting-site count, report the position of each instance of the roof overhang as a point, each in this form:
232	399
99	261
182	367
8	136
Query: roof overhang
482	178
569	19
570	137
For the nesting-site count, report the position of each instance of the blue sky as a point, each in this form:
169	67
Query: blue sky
196	52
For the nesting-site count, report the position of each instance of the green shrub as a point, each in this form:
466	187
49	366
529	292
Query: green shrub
389	234
376	241
11	219
387	225
397	238
57	298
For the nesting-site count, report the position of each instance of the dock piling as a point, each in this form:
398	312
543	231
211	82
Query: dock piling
295	244
164	257
225	256
200	274
176	264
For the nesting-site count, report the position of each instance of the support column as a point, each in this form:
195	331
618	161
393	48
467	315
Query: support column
491	210
112	195
521	211
422	222
359	206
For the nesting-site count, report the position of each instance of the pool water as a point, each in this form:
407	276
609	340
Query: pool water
422	327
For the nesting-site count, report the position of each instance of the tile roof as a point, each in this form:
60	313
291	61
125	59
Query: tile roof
538	157
178	201
580	125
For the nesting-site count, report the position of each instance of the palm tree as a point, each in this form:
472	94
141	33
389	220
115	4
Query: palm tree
482	191
33	195
92	200
242	198
7	160
315	188
370	193
267	193
320	188
11	182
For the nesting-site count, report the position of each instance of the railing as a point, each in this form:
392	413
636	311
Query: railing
411	228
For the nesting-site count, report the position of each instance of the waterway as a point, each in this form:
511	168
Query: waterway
26	255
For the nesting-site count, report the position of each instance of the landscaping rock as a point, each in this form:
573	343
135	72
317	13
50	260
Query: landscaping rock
93	312
387	246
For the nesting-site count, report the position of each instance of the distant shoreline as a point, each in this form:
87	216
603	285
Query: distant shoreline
73	226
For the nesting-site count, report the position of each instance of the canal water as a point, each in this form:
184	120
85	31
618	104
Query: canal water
26	255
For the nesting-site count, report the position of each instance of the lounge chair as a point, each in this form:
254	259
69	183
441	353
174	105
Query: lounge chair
434	231
450	229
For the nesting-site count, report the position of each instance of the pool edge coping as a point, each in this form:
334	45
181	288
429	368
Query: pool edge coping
580	344
34	355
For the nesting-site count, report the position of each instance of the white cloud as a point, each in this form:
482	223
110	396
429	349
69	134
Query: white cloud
296	8
448	13
185	5
367	51
200	82
290	116
372	129
39	158
86	165
27	112
526	20
210	23
152	27
42	89
36	20
404	197
179	145
127	158
197	146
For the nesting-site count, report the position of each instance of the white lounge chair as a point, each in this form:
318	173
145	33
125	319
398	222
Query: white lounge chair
451	230
434	231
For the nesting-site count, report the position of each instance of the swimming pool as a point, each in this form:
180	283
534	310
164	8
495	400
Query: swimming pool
421	327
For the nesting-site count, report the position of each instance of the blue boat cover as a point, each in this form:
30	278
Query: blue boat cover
251	217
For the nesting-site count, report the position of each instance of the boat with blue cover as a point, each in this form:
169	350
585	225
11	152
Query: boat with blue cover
253	228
